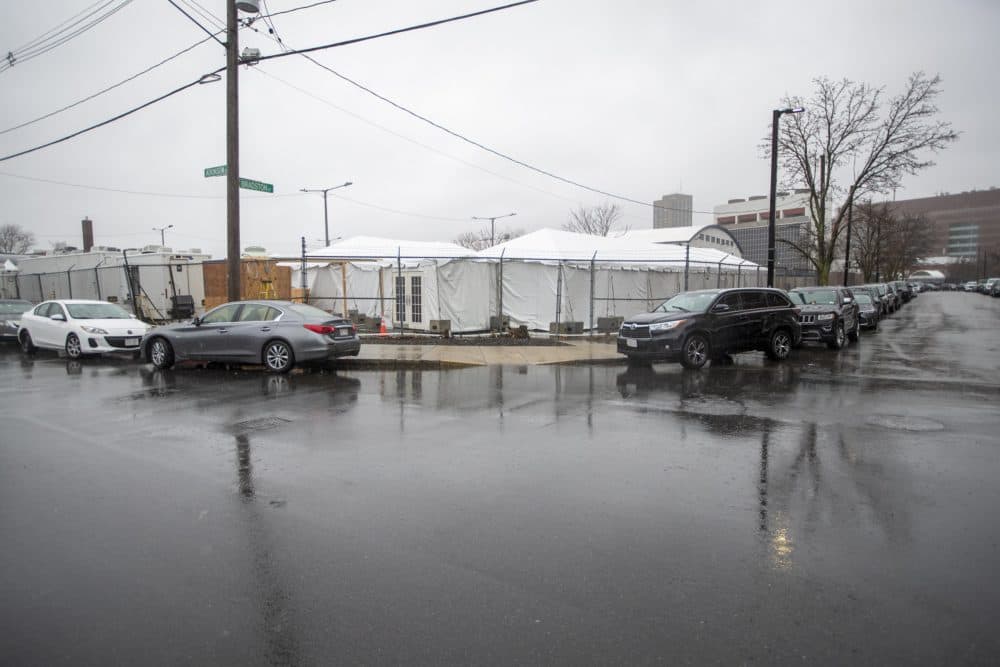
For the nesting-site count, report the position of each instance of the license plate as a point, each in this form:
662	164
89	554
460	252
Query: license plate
631	342
131	342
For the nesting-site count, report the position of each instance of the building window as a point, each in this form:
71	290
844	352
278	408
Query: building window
727	220
416	297
747	217
400	299
792	212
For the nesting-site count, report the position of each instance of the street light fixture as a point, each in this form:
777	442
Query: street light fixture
775	116
326	217
493	223
161	230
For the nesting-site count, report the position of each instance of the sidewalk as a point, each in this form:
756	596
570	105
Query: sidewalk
440	356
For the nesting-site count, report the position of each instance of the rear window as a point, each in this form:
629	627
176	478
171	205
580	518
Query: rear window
15	307
310	312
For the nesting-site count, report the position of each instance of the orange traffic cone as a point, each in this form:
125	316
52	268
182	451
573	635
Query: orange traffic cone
381	327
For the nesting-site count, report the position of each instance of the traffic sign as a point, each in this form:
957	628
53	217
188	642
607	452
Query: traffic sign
247	184
215	171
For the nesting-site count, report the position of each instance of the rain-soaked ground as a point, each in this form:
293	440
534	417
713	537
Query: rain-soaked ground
833	509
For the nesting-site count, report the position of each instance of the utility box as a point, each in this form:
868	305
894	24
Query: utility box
565	327
442	327
609	324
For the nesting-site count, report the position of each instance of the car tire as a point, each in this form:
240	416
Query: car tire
161	353
278	356
695	351
74	349
839	337
780	345
27	345
855	335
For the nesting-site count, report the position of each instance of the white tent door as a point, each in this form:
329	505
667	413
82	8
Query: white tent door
409	309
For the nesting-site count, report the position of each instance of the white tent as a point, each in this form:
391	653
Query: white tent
544	277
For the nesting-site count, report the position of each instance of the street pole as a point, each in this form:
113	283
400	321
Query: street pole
847	249
326	217
775	118
233	291
163	241
493	220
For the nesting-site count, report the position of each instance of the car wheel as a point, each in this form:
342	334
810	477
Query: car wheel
161	353
839	337
278	356
855	335
695	351
27	345
73	348
780	345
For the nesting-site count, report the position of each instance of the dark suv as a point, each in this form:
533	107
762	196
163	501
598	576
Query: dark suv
694	327
828	314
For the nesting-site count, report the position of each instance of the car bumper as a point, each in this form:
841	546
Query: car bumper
91	344
818	333
331	349
868	320
663	348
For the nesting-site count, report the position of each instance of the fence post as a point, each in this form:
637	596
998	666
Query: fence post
592	279
500	292
97	283
400	294
69	281
305	281
559	275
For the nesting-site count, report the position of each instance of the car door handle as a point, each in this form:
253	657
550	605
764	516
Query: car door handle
265	328
222	331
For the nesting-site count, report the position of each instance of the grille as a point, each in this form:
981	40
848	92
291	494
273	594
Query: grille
807	319
119	341
638	331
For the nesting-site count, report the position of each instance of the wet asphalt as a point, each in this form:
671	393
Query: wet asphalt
838	508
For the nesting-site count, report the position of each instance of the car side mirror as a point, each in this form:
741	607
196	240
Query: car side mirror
848	299
720	308
59	317
196	321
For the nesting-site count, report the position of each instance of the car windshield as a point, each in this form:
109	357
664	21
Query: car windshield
97	311
309	312
862	299
695	302
826	297
14	307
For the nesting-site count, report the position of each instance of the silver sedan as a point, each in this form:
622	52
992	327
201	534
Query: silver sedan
278	334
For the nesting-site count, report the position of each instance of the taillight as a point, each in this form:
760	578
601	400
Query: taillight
323	329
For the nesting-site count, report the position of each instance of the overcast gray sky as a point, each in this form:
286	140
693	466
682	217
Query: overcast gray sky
636	97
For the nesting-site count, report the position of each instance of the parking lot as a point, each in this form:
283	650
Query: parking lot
837	507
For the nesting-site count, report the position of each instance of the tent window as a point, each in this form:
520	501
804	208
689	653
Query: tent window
400	299
415	299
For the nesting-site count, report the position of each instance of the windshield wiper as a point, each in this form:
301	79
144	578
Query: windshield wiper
680	308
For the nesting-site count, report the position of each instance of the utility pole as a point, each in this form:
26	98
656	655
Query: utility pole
847	250
326	217
161	230
775	118
233	291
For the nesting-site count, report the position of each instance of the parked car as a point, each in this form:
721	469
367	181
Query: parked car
877	300
695	327
10	317
278	334
867	310
970	286
828	315
81	327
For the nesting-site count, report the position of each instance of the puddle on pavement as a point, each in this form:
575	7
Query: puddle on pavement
903	423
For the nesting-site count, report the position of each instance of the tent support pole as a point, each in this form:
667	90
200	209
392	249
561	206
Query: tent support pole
687	261
593	260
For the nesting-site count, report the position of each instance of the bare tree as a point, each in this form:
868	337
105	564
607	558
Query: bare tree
850	135
14	240
871	224
885	244
480	240
596	220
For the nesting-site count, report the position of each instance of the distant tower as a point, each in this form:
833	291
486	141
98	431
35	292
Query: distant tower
672	211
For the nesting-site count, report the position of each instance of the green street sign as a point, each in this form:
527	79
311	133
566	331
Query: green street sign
247	184
215	171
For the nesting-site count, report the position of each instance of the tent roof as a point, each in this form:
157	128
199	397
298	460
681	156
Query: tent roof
373	247
669	234
558	245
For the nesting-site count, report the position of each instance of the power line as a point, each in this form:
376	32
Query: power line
298	9
73	20
42	47
108	89
195	21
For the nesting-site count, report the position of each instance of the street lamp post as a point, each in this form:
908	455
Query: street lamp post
326	217
847	249
161	230
493	223
775	116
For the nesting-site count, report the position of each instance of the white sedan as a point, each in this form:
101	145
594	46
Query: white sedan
80	327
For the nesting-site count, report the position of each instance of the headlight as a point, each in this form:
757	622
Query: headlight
665	326
94	330
824	316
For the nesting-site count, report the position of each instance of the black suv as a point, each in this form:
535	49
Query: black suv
828	314
694	327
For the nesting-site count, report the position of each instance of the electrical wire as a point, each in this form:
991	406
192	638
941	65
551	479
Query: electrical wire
43	46
108	89
195	21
